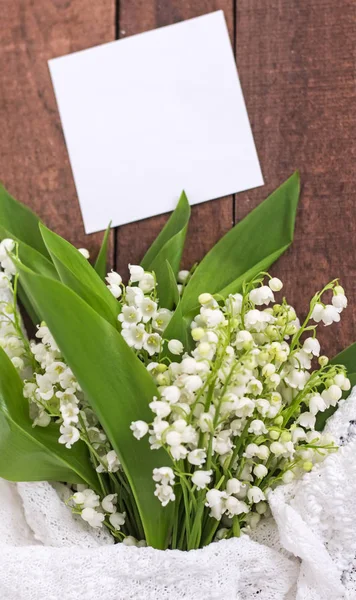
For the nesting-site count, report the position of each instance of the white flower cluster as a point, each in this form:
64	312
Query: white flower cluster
164	478
237	415
7	246
54	393
141	320
97	512
330	313
12	339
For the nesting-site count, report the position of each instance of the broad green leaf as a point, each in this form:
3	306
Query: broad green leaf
26	303
179	327
117	386
176	225
258	239
30	453
172	283
347	358
169	293
236	285
75	271
20	222
168	246
102	258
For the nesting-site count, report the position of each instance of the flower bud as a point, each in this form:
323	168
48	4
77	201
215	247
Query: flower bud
161	368
84	252
268	370
272	332
253	519
204	349
260	471
291	314
205	298
323	361
263	357
261	508
339	302
113	278
233	486
183	276
175	347
221	533
262	452
342	381
291	329
275	284
244	340
129	540
276	448
198	333
163	379
288	476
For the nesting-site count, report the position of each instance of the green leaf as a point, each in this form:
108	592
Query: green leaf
26	303
30	453
178	328
258	240
102	258
168	246
169	294
117	386
236	285
20	222
76	272
347	358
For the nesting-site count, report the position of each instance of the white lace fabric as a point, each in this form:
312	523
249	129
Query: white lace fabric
306	552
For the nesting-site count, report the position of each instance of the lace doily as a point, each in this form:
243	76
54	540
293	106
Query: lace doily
307	552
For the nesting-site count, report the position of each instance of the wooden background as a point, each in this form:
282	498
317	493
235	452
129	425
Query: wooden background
296	62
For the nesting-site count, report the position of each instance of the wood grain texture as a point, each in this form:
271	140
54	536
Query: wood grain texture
34	163
209	220
296	62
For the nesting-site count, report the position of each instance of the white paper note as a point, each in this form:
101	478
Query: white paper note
150	115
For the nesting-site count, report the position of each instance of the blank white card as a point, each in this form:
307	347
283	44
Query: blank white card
150	115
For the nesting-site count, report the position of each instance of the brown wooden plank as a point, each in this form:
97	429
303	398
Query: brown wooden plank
209	220
34	161
296	63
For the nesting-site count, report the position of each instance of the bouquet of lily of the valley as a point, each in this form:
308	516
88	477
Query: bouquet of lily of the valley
173	405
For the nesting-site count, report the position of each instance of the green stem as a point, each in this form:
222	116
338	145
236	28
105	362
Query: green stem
209	531
236	526
186	509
